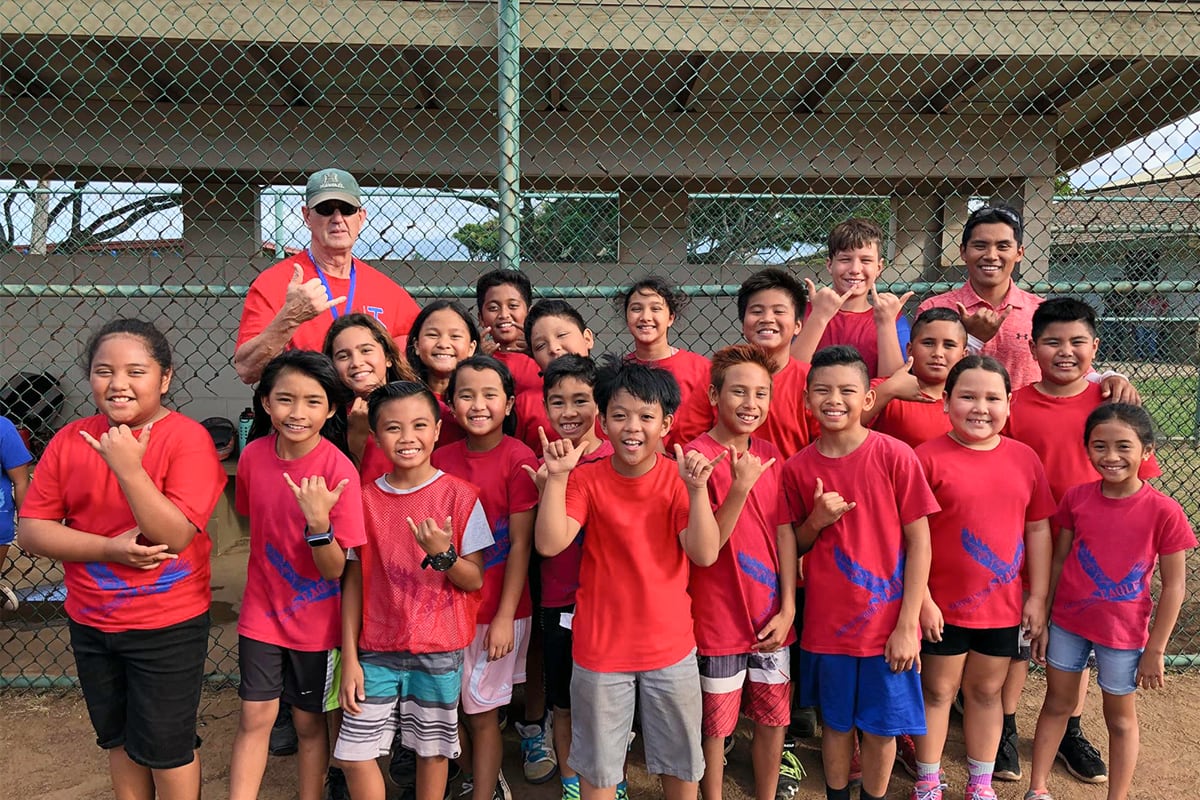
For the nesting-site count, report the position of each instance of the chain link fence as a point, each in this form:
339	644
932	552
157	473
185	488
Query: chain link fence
152	159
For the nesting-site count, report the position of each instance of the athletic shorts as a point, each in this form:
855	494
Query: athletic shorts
142	688
602	719
416	694
558	662
489	684
1116	670
307	680
999	642
862	692
756	684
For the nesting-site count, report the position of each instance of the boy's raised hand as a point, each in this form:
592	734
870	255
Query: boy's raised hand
433	540
825	302
487	345
560	456
747	468
694	467
985	323
888	306
903	385
315	498
119	448
828	507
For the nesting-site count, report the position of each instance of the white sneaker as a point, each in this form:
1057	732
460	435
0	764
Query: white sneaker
11	603
539	761
502	792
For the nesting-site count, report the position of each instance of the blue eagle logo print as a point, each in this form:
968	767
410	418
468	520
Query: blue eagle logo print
1003	571
764	574
171	573
883	590
308	590
1128	589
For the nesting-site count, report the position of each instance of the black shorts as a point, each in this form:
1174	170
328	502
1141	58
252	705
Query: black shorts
142	688
303	679
999	642
556	646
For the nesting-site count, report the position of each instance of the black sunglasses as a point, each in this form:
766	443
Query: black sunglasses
327	208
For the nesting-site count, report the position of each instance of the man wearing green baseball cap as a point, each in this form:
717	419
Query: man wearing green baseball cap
293	303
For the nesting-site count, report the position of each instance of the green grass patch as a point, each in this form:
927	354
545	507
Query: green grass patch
1172	403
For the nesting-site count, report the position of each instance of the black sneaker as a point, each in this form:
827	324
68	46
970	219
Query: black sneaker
335	785
804	723
1082	759
284	741
1008	762
402	768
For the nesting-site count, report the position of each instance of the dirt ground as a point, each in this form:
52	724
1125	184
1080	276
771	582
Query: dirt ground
46	752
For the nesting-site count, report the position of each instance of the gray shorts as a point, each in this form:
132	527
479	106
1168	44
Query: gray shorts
602	719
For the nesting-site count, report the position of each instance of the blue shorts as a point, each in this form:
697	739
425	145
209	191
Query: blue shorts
862	692
1116	670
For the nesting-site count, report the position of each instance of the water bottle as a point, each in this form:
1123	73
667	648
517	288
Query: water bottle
244	422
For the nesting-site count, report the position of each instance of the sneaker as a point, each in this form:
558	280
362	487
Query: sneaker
623	789
906	754
402	768
11	603
856	765
335	785
570	788
410	792
979	793
465	785
1008	762
502	718
804	723
928	790
284	741
1038	794
1082	759
791	772
501	792
540	763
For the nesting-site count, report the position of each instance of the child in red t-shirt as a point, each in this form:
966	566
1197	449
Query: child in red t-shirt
646	518
481	395
366	357
301	493
985	533
568	384
442	335
744	604
409	601
123	499
1112	532
552	328
908	405
503	298
650	308
852	312
859	503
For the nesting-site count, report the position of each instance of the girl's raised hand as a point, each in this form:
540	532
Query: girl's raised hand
315	498
747	467
559	456
119	448
694	467
1151	672
433	540
124	549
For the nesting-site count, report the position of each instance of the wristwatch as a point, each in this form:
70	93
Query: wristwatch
442	561
318	539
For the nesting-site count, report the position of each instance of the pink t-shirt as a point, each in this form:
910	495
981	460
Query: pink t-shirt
504	489
854	573
1103	593
1010	345
978	537
286	601
735	597
525	372
73	485
560	573
913	423
632	610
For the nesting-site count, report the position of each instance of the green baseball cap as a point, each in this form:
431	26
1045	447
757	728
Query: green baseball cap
332	184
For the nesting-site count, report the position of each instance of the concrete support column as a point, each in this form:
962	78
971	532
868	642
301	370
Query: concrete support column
221	220
654	231
1034	198
915	246
954	213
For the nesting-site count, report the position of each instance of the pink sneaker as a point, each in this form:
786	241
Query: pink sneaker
980	792
928	790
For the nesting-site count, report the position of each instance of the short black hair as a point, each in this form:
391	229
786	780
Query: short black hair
568	365
503	277
1135	417
772	278
398	390
675	299
646	383
1062	309
552	307
936	314
989	215
976	361
839	355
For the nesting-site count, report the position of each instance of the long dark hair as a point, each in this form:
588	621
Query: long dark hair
316	366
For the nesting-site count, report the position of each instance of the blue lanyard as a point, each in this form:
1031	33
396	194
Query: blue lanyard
329	291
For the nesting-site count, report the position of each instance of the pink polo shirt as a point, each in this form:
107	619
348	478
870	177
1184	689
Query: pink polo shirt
1010	345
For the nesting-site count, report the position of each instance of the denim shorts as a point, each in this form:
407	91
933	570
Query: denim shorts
1116	669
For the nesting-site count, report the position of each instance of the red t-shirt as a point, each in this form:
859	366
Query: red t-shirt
854	573
374	462
375	294
525	372
735	597
632	610
1103	592
691	371
504	489
286	601
451	431
560	573
978	537
1053	427
913	423
73	485
407	608
857	329
530	409
789	425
